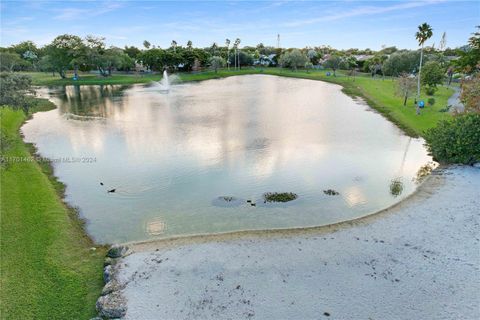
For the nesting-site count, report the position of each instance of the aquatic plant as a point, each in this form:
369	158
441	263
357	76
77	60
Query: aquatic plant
396	187
331	192
279	196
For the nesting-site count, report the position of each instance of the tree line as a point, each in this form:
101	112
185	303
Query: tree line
71	52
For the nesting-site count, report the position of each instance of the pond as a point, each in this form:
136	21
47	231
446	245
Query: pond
186	162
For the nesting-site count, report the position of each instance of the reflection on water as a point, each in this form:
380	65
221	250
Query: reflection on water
171	156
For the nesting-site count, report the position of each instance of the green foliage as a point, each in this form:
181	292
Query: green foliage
405	87
424	33
279	196
432	74
11	61
430	90
64	51
14	90
469	61
456	140
401	62
293	59
470	94
333	62
431	101
216	62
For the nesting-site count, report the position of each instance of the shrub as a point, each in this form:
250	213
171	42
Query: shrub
431	101
456	140
430	90
16	91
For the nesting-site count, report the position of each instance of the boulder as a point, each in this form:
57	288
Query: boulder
108	261
112	306
107	273
117	251
112	286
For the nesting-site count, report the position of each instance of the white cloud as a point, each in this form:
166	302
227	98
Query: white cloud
362	11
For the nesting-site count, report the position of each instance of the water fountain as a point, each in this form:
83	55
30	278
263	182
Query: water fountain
163	85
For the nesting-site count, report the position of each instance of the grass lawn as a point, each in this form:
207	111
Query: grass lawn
47	268
377	92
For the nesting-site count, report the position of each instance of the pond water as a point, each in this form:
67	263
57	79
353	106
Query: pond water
170	157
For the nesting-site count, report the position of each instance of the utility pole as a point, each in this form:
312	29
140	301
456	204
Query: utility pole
278	41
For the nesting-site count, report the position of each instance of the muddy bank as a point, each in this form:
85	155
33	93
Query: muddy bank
417	260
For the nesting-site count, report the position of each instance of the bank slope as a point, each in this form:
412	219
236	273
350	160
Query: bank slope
47	268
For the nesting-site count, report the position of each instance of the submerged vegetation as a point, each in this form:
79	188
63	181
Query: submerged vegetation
279	196
331	192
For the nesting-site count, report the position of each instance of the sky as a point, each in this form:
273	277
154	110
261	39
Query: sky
340	24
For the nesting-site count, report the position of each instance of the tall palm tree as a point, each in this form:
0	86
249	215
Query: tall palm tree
189	45
423	34
227	43
237	56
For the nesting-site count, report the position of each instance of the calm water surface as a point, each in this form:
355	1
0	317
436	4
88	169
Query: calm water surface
170	156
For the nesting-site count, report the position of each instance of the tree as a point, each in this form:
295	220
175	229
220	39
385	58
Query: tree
235	45
65	51
189	45
9	61
132	52
469	60
216	62
333	62
401	62
15	90
405	86
146	44
227	44
313	56
470	94
174	45
293	59
244	59
432	75
423	34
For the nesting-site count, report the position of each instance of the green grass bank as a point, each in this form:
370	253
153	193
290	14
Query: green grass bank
378	93
47	268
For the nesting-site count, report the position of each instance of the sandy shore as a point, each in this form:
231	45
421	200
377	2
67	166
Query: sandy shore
417	260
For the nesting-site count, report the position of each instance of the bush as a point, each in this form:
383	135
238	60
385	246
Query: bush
456	140
430	90
431	101
16	90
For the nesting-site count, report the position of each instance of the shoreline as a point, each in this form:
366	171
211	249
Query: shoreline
431	183
418	259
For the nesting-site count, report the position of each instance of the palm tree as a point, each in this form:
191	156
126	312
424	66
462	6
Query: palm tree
189	44
237	56
227	43
174	45
423	34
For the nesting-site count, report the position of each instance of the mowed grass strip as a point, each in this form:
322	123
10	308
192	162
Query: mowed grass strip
47	268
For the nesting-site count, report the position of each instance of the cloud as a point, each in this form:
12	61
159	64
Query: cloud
78	13
362	11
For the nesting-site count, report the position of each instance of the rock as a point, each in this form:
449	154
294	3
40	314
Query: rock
108	261
117	251
96	318
112	306
112	286
107	273
476	165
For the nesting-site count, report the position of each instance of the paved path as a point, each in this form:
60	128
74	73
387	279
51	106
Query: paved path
455	102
